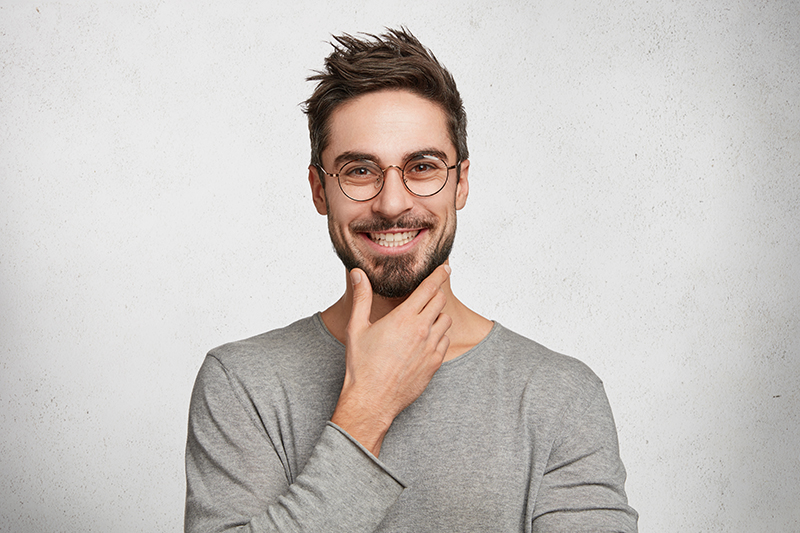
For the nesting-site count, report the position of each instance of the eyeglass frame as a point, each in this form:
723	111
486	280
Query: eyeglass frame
382	177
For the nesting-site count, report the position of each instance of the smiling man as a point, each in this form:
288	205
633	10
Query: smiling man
397	408
397	242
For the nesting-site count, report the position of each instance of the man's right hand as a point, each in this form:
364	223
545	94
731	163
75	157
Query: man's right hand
389	363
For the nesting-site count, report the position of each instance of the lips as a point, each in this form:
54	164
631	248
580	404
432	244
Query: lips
393	239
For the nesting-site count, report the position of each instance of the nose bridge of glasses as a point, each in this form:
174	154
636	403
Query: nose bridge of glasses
399	170
400	174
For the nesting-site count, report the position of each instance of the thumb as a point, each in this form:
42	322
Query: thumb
362	298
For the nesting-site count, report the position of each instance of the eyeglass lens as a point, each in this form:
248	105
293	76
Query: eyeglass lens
363	180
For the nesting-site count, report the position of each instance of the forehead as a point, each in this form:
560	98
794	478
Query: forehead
388	125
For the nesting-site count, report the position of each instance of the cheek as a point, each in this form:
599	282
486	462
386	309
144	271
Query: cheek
342	215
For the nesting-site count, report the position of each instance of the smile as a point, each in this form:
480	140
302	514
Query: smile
391	240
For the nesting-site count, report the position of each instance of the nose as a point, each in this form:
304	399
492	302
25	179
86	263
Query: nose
394	199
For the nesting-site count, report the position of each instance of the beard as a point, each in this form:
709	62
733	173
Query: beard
399	275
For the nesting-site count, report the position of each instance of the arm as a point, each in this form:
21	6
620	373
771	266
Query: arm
235	477
237	482
390	363
583	484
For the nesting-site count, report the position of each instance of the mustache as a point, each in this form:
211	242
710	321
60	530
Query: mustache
384	224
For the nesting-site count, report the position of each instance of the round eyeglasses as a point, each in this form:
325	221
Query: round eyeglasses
363	180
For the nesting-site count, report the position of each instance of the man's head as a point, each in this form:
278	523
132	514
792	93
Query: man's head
394	60
388	121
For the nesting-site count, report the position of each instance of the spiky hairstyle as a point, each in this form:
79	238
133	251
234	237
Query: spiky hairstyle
394	60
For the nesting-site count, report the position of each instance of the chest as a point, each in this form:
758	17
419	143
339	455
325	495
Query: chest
467	458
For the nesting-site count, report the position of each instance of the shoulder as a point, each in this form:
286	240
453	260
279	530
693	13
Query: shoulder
553	389
303	348
301	337
551	374
522	351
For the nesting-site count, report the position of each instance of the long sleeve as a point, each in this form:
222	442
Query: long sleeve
236	480
583	484
507	437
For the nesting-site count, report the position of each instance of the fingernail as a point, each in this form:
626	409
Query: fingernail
447	269
355	275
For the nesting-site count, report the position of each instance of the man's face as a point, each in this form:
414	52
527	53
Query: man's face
397	238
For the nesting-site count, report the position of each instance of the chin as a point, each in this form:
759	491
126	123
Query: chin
399	283
395	277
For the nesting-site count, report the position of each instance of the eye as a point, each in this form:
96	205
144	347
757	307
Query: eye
421	168
360	170
424	168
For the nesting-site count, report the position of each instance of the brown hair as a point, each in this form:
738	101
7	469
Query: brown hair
394	60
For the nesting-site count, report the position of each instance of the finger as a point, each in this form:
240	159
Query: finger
428	288
362	299
441	326
434	306
443	346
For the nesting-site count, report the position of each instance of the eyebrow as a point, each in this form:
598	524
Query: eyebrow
346	157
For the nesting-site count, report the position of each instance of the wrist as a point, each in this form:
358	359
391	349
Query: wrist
362	421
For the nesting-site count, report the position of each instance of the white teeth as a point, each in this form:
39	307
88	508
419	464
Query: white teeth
393	239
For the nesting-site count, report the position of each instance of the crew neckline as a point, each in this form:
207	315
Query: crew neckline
496	327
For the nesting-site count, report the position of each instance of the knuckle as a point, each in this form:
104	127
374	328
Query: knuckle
351	330
421	331
430	287
446	320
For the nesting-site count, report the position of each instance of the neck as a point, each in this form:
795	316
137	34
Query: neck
468	328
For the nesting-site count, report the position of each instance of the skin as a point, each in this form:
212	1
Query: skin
393	345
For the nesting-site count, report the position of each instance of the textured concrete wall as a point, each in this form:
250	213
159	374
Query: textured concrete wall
635	192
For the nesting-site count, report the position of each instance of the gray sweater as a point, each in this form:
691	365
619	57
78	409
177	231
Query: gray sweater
509	436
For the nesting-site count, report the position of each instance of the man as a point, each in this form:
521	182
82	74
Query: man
397	408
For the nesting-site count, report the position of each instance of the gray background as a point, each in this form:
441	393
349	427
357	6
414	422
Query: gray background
634	203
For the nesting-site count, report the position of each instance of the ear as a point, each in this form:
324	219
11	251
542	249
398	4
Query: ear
317	190
462	188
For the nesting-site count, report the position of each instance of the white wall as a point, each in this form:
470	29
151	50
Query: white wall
635	191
